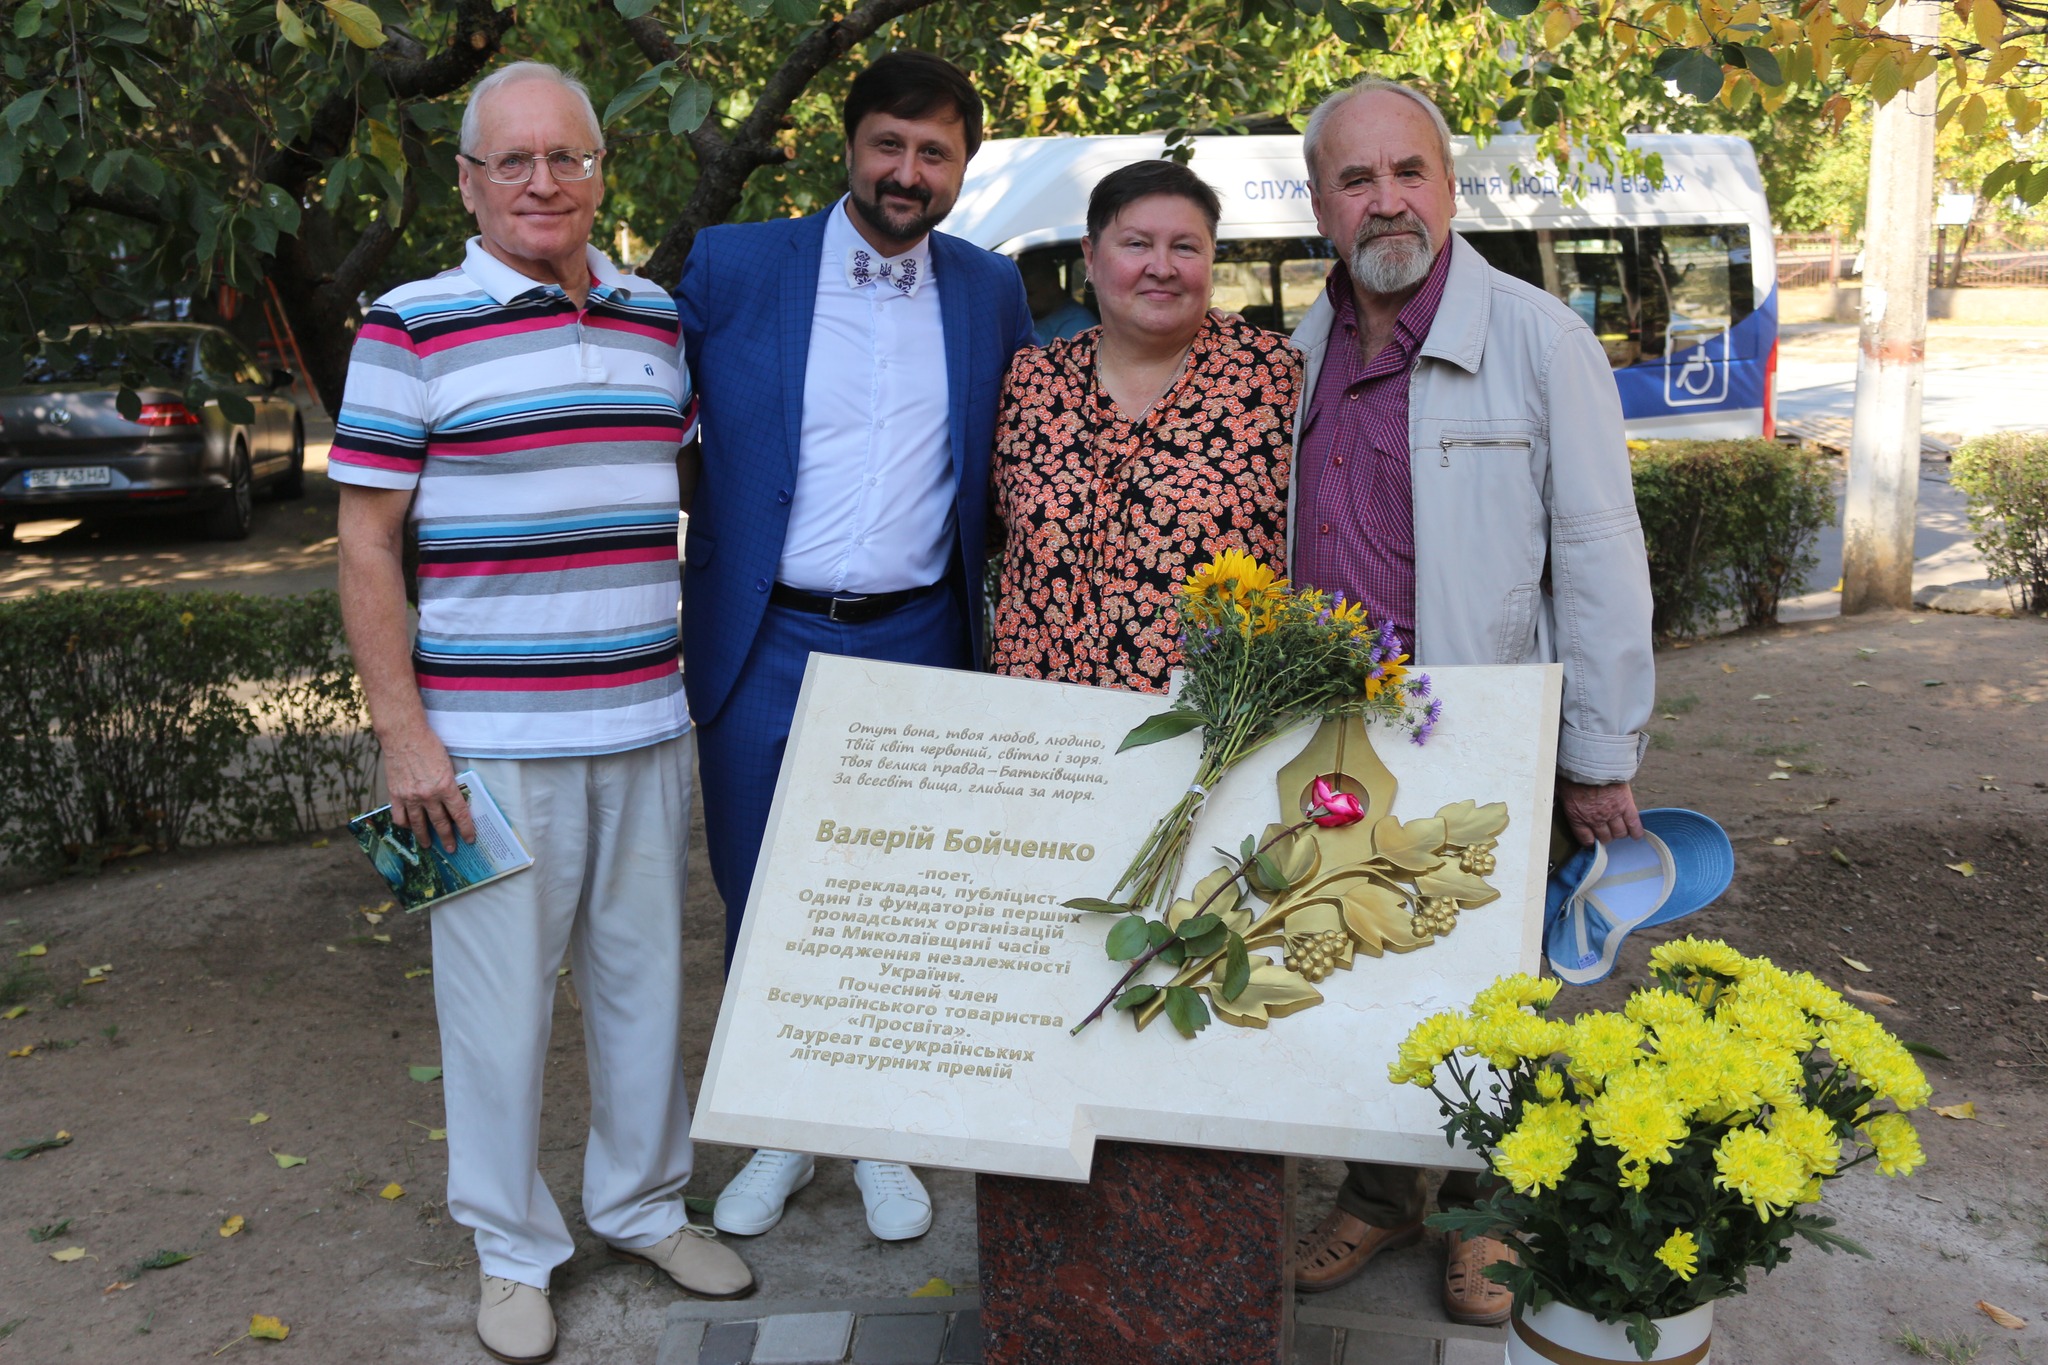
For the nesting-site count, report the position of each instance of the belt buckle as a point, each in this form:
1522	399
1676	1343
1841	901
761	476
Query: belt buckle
832	611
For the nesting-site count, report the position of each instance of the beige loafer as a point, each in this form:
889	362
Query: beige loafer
515	1322
695	1260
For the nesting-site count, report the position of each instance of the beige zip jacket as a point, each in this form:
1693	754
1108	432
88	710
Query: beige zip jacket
1527	547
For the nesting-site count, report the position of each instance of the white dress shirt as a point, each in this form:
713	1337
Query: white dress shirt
872	510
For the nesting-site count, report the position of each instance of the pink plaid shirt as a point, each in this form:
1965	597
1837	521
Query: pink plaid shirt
1354	527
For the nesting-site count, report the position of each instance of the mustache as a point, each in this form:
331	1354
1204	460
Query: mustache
917	192
1372	229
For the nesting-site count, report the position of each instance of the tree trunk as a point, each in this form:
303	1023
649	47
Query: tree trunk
1878	517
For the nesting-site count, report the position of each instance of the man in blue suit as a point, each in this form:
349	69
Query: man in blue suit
849	367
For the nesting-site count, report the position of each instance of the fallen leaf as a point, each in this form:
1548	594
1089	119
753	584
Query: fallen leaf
1930	682
934	1288
1840	857
1667	716
1780	841
1868	997
381	938
68	1255
49	1144
36	951
561	971
1865	651
392	1191
425	1075
232	1226
441	1135
332	949
2000	1316
382	909
1859	684
1777	777
100	970
15	1013
117	1286
317	843
2039	998
1966	1110
1761	696
1728	668
258	1117
285	1163
1854	963
23	1051
418	972
1966	868
94	981
1780	763
264	1327
373	917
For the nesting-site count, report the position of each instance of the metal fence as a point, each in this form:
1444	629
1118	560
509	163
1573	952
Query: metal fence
1991	258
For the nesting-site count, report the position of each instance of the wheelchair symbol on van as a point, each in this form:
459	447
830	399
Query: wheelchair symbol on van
1695	366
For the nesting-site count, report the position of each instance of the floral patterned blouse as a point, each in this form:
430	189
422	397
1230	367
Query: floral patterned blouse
1104	516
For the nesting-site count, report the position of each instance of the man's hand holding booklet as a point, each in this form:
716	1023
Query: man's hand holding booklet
419	875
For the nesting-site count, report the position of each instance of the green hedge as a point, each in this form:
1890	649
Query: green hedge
2005	477
1730	527
131	715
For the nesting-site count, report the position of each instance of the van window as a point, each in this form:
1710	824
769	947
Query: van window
1645	291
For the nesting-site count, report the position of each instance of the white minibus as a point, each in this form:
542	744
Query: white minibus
1676	275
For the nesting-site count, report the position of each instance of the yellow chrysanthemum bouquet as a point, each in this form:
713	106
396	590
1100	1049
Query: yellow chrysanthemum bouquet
1648	1159
1258	657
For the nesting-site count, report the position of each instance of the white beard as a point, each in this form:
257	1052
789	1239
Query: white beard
1388	265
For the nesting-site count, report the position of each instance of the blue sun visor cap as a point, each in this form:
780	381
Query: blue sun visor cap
1682	863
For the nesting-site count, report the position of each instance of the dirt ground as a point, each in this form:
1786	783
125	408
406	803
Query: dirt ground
249	981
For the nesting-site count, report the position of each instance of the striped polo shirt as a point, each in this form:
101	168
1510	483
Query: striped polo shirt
542	441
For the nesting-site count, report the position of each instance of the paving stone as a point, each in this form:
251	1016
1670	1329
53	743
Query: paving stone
963	1344
727	1343
899	1339
803	1339
1364	1347
1315	1346
1465	1351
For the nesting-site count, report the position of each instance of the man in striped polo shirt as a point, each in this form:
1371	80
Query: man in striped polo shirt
522	415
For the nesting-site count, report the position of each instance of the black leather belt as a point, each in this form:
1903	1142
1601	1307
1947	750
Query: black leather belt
847	609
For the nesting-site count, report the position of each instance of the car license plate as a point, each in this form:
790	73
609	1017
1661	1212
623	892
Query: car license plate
83	476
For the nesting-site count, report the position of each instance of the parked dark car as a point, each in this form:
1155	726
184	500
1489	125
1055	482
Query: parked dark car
66	450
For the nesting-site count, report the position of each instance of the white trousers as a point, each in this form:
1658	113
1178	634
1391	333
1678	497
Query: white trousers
609	845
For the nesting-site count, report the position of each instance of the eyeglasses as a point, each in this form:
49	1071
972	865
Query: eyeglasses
516	168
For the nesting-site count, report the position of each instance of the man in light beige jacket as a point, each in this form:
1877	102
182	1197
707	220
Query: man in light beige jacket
1460	469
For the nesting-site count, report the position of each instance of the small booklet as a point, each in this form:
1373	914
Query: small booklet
422	877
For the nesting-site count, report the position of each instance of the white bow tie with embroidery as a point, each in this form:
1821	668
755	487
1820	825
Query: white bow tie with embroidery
903	274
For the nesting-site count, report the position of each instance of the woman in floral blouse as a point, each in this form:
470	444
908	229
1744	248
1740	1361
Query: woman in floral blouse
1133	452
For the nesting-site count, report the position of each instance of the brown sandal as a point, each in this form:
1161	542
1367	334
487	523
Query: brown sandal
1469	1296
1339	1248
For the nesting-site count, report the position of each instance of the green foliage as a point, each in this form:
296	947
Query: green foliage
1729	526
2005	477
127	714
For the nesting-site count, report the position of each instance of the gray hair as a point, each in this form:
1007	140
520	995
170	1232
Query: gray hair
472	115
1312	135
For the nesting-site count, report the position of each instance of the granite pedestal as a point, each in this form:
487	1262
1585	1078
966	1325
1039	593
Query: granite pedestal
1167	1256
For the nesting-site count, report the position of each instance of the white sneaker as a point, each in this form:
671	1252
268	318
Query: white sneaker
751	1203
898	1207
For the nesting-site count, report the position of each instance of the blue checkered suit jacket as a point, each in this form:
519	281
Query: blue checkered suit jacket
746	299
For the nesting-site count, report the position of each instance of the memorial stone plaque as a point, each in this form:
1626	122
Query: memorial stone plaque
907	976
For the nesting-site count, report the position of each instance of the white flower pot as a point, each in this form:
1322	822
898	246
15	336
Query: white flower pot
1557	1335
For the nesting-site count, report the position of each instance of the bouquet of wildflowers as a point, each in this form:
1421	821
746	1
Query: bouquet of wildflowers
1652	1157
1258	658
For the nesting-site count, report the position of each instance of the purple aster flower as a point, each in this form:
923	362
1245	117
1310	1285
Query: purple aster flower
1419	686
